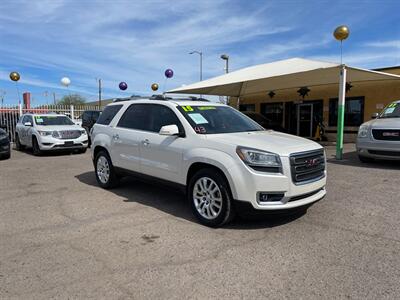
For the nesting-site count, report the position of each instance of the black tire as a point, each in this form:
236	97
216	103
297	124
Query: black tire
112	180
18	145
364	159
35	147
226	211
6	156
83	150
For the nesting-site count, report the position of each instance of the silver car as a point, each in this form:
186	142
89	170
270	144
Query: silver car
380	137
48	132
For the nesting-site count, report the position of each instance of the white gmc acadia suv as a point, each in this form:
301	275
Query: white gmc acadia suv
220	157
49	132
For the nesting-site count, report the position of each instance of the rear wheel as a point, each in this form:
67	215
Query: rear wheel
104	169
35	147
210	198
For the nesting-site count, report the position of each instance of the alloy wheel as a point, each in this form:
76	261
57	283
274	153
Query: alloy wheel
103	169
207	198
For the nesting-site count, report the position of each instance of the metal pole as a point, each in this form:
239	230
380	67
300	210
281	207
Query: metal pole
341	109
99	92
201	66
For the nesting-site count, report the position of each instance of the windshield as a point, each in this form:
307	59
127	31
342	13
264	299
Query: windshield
208	119
53	120
391	111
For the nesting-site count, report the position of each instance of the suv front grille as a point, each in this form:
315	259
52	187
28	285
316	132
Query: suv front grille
386	134
307	166
69	134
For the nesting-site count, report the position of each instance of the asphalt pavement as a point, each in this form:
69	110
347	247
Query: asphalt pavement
61	236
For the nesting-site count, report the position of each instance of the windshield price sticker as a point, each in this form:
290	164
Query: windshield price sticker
38	120
198	118
187	108
392	105
389	110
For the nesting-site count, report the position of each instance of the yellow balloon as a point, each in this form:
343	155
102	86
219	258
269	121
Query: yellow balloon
154	86
341	33
14	76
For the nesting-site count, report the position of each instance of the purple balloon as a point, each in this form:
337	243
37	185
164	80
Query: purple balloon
123	86
169	73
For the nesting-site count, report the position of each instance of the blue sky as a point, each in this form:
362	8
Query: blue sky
135	41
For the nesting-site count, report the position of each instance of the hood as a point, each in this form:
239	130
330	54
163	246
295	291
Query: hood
58	127
269	140
384	123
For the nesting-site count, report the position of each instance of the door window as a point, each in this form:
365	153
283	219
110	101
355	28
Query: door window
162	116
137	116
108	114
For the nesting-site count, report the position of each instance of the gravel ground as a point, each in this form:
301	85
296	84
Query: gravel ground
61	236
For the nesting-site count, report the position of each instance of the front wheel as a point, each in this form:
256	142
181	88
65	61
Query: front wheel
18	145
210	198
104	169
35	147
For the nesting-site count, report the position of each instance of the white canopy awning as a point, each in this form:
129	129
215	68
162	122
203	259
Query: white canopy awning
283	74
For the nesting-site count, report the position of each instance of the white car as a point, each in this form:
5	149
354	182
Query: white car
49	132
380	138
222	159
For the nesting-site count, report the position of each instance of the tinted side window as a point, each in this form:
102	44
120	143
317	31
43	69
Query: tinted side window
137	116
108	114
29	119
162	116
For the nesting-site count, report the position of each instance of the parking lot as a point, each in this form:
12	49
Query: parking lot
62	236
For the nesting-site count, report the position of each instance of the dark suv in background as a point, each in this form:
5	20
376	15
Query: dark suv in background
5	149
89	118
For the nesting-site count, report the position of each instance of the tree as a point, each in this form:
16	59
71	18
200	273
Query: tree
73	99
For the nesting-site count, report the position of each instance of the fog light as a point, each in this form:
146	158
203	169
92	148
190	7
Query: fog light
270	197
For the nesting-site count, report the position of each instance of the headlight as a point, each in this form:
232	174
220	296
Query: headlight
3	136
56	134
45	133
363	131
260	160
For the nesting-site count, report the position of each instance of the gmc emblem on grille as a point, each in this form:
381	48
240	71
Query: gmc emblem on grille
312	162
391	133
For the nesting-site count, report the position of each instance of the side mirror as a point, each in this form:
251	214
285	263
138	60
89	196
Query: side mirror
375	116
28	124
169	130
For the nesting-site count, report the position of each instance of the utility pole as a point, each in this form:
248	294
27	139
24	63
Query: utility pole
54	98
99	92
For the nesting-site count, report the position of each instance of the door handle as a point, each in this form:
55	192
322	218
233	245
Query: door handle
116	137
145	142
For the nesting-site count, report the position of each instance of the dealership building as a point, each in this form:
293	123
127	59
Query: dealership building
300	95
299	110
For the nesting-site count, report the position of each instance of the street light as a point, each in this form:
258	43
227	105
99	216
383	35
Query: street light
225	57
201	62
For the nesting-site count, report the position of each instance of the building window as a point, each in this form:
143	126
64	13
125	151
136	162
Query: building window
354	111
273	112
247	107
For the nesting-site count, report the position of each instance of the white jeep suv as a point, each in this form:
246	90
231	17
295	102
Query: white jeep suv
49	132
220	157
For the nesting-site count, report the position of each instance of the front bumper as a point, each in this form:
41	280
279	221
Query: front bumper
368	147
251	183
48	143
